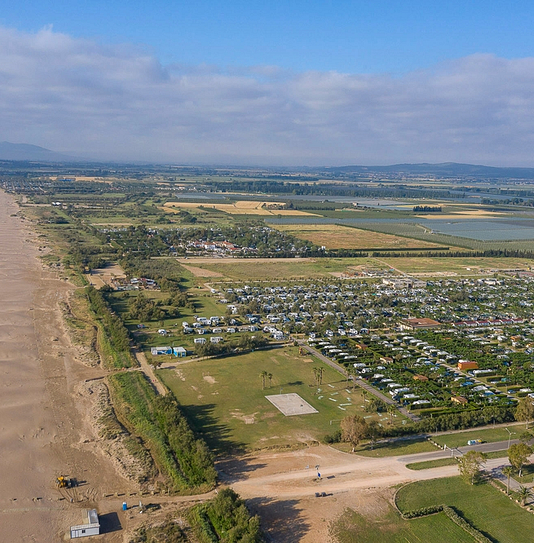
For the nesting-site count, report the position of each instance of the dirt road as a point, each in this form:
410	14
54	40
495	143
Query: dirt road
281	486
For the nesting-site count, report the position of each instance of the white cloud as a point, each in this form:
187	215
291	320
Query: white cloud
119	102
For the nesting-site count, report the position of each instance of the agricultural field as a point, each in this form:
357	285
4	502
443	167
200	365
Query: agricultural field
241	207
211	394
333	236
462	266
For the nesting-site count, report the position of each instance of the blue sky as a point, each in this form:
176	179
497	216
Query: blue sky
347	36
271	82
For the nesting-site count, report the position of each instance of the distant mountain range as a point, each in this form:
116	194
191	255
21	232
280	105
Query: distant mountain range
446	170
442	170
27	152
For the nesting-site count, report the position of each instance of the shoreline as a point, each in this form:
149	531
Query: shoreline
44	428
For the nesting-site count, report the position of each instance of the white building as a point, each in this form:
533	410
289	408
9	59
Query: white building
91	527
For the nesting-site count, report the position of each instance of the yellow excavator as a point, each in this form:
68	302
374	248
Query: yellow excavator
64	482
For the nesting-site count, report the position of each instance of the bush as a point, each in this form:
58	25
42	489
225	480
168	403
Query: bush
158	421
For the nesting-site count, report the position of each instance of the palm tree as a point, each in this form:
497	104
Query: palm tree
391	409
270	377
508	471
524	494
318	372
263	376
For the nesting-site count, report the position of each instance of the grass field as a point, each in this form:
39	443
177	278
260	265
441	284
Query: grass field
482	505
225	402
429	464
266	269
394	448
488	435
386	526
334	236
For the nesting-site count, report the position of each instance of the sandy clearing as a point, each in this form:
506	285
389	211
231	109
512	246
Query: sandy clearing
104	276
201	272
281	487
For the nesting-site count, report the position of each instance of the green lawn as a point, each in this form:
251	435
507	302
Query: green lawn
225	402
483	506
429	464
390	528
488	435
393	448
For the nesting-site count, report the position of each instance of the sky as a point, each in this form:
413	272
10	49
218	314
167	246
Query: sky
271	83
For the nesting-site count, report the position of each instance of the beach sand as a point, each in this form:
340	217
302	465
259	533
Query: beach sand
43	432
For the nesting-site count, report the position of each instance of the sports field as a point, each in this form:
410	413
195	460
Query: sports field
226	403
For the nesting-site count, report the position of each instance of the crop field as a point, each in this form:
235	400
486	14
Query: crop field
211	393
334	236
271	268
427	266
476	234
482	505
241	207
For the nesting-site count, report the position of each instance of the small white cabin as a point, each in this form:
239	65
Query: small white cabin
91	527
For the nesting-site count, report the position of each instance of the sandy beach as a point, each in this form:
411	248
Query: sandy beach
42	431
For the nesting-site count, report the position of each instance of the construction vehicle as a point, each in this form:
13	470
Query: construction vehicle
65	482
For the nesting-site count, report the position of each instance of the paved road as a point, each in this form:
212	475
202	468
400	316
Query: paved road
359	382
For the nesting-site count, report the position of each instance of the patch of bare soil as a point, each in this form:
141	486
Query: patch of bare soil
201	272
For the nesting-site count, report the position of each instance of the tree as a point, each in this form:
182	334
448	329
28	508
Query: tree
373	431
525	437
263	376
524	494
508	471
353	429
270	377
470	465
391	410
518	455
525	411
318	372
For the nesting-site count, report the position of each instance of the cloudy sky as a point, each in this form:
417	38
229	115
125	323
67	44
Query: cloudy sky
313	83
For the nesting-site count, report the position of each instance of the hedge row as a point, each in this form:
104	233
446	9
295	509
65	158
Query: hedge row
452	515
